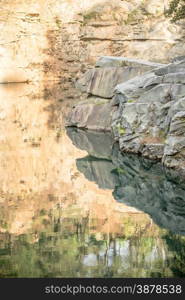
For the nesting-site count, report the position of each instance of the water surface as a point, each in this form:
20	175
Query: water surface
72	205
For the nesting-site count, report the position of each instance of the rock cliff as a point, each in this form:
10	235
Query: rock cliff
150	115
146	113
100	83
59	40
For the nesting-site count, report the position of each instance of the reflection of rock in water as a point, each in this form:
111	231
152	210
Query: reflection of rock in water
98	170
98	167
136	181
97	144
146	186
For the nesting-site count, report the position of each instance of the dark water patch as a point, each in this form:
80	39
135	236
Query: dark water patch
137	182
150	190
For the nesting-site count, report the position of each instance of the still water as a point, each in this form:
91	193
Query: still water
71	205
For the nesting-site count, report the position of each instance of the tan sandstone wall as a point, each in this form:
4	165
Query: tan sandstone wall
55	40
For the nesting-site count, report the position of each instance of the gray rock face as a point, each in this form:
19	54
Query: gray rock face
178	58
147	111
94	114
174	152
171	68
101	82
112	61
111	71
150	115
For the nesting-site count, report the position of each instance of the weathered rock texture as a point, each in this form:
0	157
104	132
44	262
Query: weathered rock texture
95	113
150	115
147	112
110	71
58	40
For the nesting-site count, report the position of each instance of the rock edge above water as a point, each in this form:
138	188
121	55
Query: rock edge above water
142	103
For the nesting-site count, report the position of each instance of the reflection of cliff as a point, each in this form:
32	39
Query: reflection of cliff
97	144
98	170
177	247
76	246
38	169
137	182
54	221
98	167
145	186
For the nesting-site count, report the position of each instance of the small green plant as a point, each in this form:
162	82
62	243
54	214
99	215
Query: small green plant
90	16
131	101
120	171
4	225
162	134
176	10
121	130
132	17
58	22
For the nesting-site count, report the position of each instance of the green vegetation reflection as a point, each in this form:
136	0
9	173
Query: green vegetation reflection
73	247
